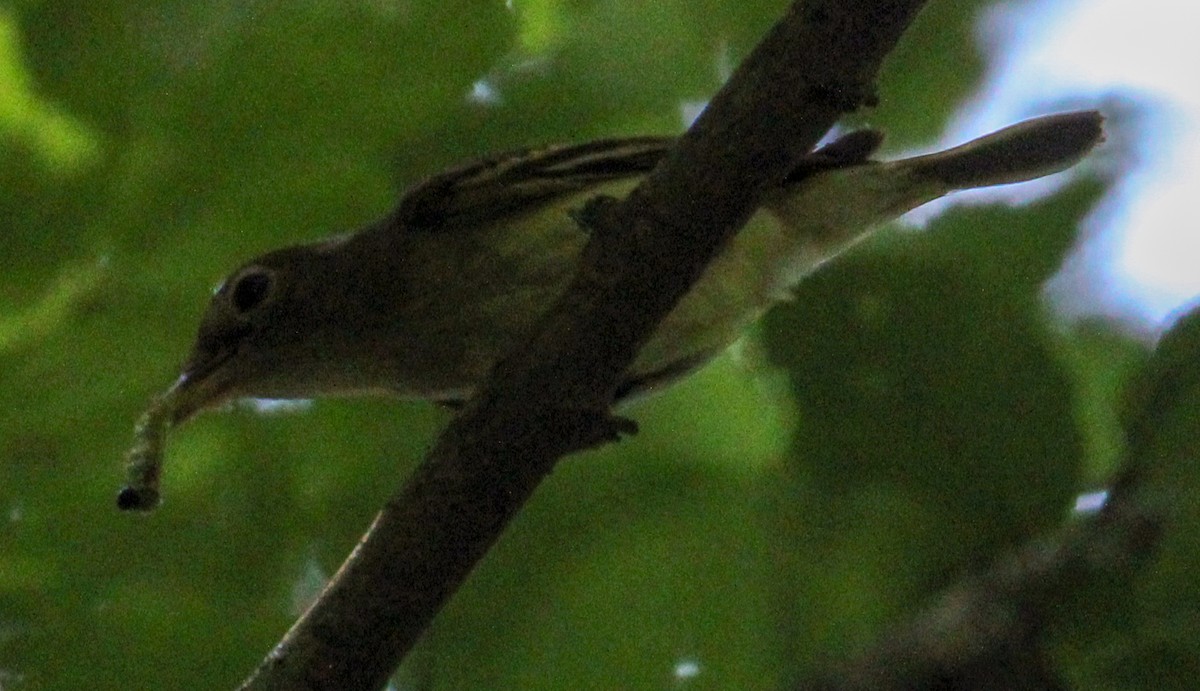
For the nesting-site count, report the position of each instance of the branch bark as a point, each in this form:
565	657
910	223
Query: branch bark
551	397
987	631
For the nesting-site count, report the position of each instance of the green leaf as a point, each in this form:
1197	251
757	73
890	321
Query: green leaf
932	70
1153	632
937	425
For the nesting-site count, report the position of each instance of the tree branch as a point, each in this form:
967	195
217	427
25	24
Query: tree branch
986	632
551	397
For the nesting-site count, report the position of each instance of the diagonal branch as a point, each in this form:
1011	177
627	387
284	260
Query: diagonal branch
551	397
989	630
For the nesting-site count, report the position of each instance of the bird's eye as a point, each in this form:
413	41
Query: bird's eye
251	289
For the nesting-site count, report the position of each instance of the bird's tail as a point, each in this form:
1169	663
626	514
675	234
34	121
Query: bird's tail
1024	151
826	212
833	200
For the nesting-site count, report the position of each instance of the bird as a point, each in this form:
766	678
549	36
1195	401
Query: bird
423	302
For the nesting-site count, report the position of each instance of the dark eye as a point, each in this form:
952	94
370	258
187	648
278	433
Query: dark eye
250	289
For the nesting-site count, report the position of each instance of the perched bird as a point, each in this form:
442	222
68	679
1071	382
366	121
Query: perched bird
422	303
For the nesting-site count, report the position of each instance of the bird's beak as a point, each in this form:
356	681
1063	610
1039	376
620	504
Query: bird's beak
203	384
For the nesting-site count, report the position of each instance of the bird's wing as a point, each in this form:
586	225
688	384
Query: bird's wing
515	180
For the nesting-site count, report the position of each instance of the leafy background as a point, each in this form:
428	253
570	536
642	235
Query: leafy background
914	412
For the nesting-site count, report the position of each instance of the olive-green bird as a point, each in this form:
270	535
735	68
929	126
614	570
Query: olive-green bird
422	303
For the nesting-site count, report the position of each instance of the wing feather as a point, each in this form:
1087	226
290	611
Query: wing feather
516	180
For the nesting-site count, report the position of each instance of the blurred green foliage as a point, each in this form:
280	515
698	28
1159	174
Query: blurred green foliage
923	412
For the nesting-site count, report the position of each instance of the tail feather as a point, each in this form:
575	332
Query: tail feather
828	211
832	201
1024	151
